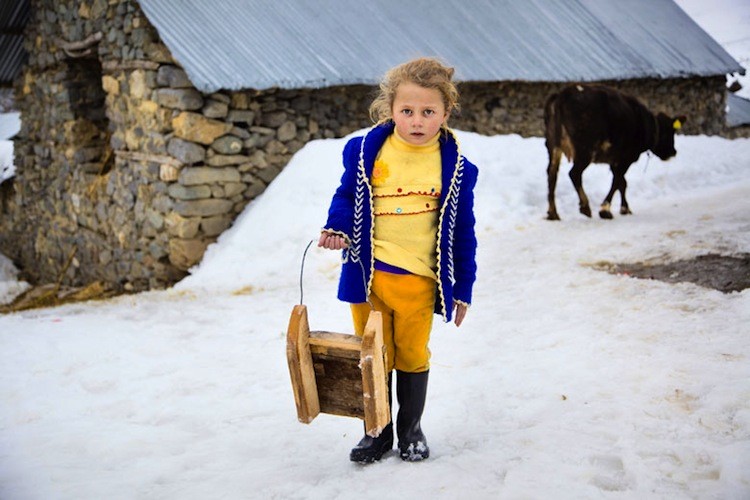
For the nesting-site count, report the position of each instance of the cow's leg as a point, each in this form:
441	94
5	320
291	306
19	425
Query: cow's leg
622	186
552	168
605	211
576	176
624	208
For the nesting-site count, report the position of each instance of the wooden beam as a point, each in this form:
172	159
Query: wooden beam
335	344
301	367
374	384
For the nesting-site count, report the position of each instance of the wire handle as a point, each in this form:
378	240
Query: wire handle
302	272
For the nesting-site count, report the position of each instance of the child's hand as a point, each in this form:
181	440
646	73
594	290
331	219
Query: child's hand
459	313
332	241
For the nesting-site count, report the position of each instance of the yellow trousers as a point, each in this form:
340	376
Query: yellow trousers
407	303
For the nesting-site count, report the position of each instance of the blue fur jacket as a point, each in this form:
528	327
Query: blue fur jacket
351	215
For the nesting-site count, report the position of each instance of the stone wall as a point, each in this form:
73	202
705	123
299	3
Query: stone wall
7	103
125	172
518	108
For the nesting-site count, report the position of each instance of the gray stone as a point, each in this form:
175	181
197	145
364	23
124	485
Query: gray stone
172	76
233	189
105	257
286	132
185	253
262	130
258	159
156	250
184	99
180	192
273	120
206	175
162	203
218	96
275	148
240	132
225	160
158	52
186	151
302	104
253	141
181	227
227	145
215	109
155	219
203	208
294	145
269	173
254	190
241	116
214	226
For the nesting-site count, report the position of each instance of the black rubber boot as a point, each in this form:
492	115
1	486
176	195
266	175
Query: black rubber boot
370	449
411	391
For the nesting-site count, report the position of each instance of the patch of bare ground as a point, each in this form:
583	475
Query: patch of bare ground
53	295
726	273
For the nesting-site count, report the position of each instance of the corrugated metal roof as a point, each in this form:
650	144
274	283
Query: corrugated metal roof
10	125
13	17
738	111
259	44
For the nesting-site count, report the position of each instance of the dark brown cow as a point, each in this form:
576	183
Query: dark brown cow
597	124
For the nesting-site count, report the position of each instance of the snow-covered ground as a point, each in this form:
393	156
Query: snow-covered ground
564	382
10	124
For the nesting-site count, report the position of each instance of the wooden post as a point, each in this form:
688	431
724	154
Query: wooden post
301	366
374	384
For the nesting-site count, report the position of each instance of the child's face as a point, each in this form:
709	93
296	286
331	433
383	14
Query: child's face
418	113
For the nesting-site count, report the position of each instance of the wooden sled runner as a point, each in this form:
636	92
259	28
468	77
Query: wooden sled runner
338	373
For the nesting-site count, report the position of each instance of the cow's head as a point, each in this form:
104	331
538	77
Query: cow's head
667	126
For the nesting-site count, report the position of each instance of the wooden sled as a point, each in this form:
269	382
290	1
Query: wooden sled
338	373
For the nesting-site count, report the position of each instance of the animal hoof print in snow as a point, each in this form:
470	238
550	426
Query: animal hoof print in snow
605	214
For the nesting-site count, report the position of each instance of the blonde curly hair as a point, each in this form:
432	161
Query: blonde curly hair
426	72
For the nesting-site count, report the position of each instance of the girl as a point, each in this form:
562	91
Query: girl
403	216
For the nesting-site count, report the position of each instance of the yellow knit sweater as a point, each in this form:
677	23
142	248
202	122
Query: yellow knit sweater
406	184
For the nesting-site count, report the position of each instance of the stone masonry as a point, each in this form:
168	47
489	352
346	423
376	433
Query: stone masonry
125	172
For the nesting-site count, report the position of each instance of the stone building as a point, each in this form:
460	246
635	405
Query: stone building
148	125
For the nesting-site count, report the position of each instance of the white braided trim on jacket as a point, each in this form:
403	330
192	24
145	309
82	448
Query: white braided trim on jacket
451	202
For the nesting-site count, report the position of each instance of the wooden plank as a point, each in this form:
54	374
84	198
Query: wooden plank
301	368
335	344
339	383
374	384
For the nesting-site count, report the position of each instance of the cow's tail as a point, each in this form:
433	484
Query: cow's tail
552	123
552	136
